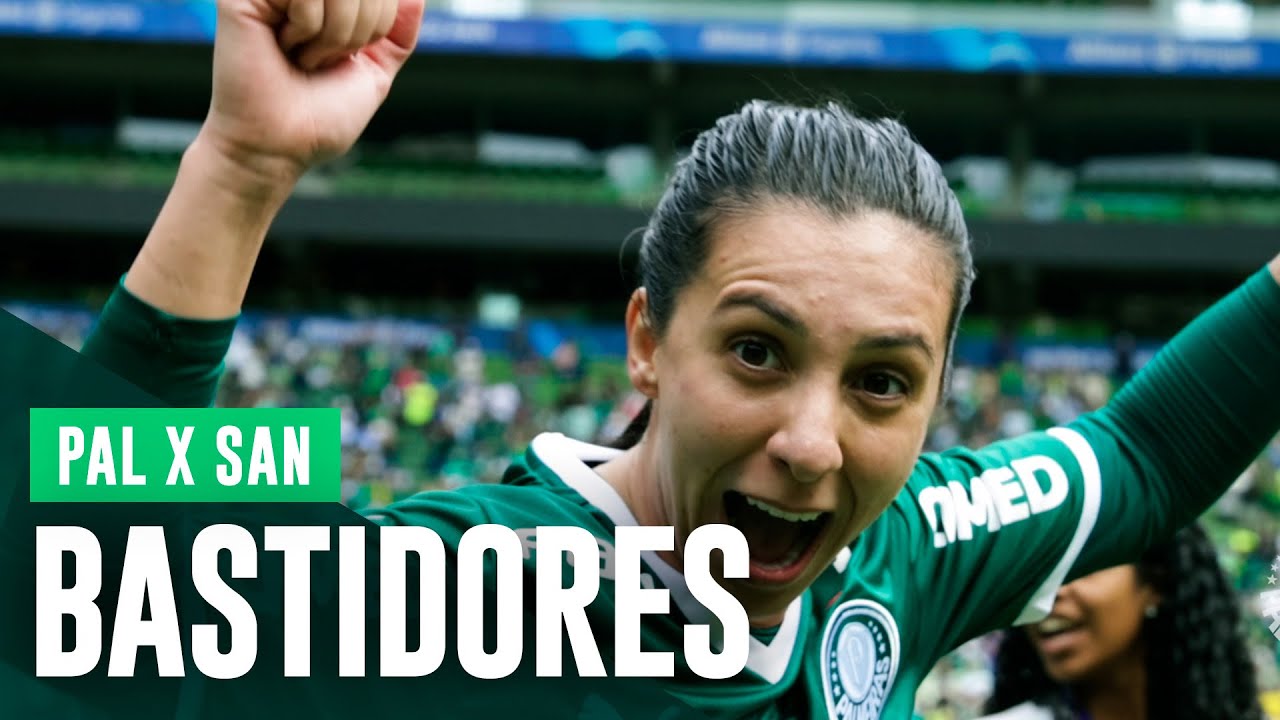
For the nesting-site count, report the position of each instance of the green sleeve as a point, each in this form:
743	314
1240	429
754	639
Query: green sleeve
993	533
1187	426
178	360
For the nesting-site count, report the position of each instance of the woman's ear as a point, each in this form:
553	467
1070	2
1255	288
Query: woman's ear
642	345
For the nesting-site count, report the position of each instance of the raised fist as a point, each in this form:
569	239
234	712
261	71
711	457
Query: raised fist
297	81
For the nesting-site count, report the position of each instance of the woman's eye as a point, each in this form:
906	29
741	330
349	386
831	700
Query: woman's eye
756	354
882	384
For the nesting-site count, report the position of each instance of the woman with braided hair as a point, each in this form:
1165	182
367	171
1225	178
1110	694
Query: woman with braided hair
1156	639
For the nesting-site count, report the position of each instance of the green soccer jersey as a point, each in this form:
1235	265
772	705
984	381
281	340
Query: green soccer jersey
976	541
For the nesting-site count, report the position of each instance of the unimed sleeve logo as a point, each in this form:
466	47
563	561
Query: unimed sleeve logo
998	497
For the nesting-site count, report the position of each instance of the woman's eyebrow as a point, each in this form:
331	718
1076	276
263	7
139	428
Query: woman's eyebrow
895	341
789	321
755	300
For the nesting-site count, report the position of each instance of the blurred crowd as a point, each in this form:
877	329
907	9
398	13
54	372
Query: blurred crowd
426	409
430	414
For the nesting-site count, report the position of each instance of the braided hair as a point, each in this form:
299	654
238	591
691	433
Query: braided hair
1198	666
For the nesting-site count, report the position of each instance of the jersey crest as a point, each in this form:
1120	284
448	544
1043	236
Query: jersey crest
860	651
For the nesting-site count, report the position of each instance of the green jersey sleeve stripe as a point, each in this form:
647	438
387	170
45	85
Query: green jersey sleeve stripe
1042	600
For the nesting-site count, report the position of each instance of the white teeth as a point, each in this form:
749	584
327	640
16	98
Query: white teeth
780	513
1054	624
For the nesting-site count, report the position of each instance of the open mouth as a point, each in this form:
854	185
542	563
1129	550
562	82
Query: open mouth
1056	635
1054	625
782	542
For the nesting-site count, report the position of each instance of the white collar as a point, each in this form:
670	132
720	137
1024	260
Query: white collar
568	459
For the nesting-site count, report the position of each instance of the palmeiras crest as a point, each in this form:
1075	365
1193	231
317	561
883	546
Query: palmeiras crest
860	653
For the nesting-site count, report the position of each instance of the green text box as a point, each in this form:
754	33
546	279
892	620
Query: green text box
234	454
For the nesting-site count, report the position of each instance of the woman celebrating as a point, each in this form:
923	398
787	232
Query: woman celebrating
801	284
1156	639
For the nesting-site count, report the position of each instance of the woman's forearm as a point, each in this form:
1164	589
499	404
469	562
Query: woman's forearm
200	253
